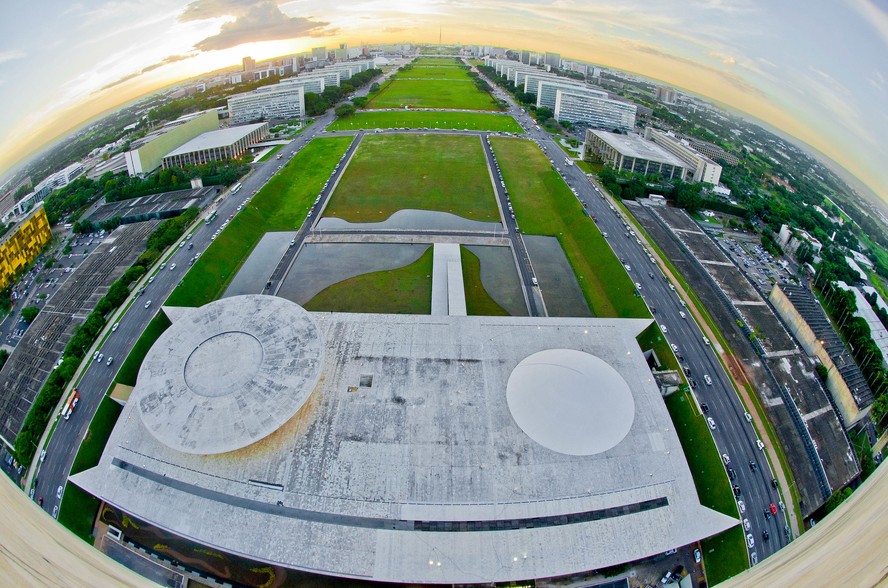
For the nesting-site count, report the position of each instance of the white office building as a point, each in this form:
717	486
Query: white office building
590	108
547	91
633	154
314	84
700	168
278	102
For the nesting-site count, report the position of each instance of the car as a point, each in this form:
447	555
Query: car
114	327
732	475
151	279
147	304
604	235
752	465
705	340
163	265
750	540
40	501
187	237
182	244
754	557
742	506
534	281
110	360
42	455
628	267
172	267
748	417
637	286
746	524
767	514
682	315
100	357
59	493
674	347
663	328
711	423
650	275
705	407
707	379
697	556
55	511
95	355
765	535
726	458
737	490
773	509
775	483
666	578
759	444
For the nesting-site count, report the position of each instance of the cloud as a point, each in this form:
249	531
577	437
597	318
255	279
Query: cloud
263	21
394	29
11	55
119	81
205	9
165	61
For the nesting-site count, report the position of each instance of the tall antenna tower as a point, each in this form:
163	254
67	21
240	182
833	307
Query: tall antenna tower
439	35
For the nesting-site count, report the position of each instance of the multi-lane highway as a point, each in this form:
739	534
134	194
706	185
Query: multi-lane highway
733	433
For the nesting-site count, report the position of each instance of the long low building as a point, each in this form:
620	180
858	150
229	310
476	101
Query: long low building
148	152
279	102
230	143
582	106
700	167
633	154
262	440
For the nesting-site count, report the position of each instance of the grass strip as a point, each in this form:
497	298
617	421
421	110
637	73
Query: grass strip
478	300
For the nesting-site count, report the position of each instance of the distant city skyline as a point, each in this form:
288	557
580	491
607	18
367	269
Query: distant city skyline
817	73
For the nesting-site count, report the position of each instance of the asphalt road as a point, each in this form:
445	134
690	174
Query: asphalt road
733	434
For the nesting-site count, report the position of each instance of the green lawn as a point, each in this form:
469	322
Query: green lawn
478	301
268	155
432	94
435	72
725	553
590	168
406	290
426	172
652	338
130	368
477	121
544	205
437	61
78	509
280	206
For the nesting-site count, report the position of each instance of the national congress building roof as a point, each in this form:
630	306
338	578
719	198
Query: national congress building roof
424	449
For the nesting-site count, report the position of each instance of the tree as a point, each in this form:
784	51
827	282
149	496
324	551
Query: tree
374	87
360	101
836	499
345	110
543	114
4	355
29	313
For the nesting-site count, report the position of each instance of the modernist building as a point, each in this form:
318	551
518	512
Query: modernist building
553	60
147	153
632	153
590	108
278	102
22	243
665	95
263	439
547	91
700	167
217	145
309	83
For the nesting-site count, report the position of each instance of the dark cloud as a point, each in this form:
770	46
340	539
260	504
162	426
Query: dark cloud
165	61
263	21
203	9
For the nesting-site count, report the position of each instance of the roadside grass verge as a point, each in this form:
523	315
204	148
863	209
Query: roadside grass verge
268	155
725	553
478	300
388	173
432	94
281	205
652	338
544	205
695	301
406	290
79	509
589	168
130	368
420	119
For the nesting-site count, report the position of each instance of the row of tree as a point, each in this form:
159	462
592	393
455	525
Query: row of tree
318	104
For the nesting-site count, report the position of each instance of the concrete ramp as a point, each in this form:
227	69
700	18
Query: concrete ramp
448	293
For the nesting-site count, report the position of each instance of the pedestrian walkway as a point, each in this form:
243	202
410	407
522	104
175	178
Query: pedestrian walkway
448	292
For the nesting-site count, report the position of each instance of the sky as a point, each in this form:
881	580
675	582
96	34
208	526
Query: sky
817	71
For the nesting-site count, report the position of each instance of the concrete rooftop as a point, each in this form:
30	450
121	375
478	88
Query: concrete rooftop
405	463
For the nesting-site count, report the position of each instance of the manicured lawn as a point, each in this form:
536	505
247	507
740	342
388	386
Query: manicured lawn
406	290
589	168
432	94
417	119
437	61
426	172
652	338
268	155
130	368
478	301
78	509
725	553
280	206
435	72
544	205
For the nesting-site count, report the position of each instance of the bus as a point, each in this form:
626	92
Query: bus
70	404
212	218
236	188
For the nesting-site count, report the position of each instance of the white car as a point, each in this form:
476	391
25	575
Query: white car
674	347
682	315
114	327
707	379
711	423
664	329
742	506
750	540
628	267
746	524
748	417
172	267
759	444
534	281
147	304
